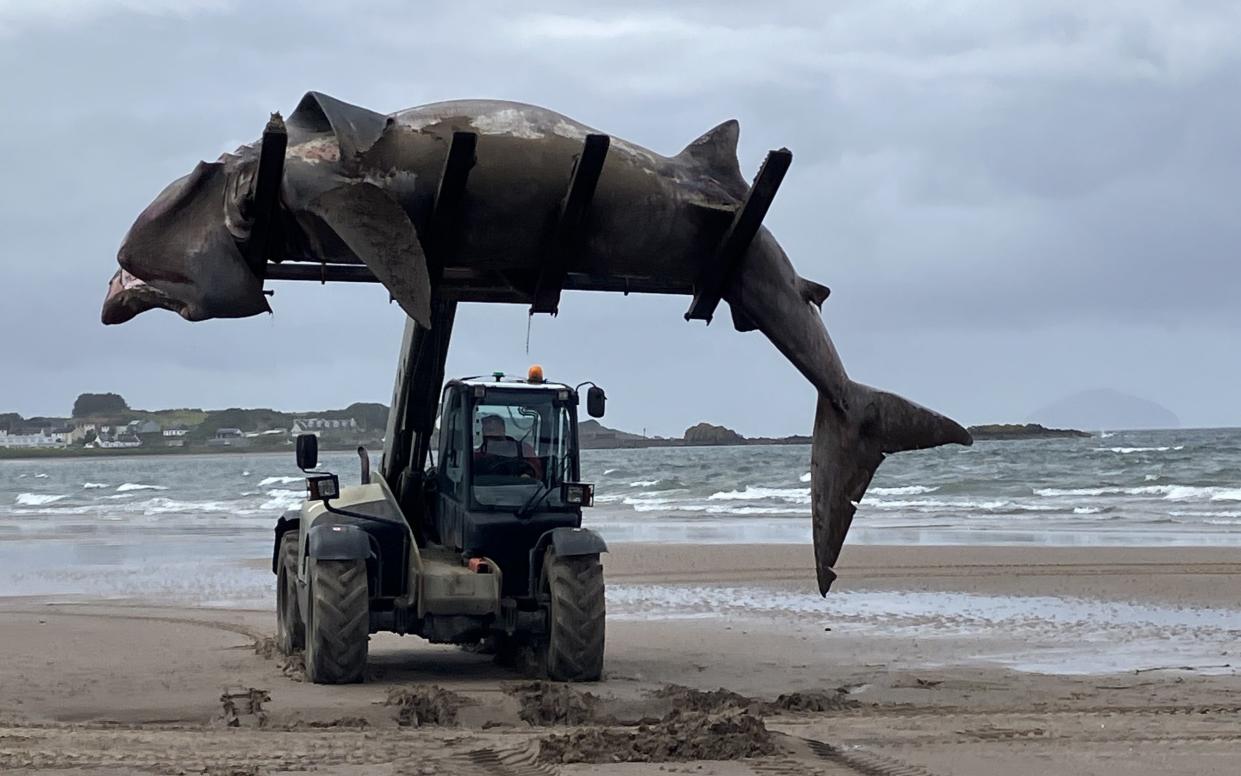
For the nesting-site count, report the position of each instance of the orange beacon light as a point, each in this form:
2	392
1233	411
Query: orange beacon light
535	375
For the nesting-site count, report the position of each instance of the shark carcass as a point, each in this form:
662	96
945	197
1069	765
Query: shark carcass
490	201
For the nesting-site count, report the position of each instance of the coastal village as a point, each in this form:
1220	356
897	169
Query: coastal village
105	422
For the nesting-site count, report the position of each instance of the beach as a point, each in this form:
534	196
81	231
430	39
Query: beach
942	660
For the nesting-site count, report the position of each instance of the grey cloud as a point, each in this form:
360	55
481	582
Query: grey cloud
1010	201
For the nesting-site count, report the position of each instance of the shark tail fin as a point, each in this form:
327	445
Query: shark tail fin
850	441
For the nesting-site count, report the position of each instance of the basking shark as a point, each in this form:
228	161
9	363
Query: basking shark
359	191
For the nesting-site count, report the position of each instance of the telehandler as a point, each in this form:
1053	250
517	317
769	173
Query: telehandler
485	545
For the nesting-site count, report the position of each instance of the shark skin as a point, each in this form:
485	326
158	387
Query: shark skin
359	187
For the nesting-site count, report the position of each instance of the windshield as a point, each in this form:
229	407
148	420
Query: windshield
521	449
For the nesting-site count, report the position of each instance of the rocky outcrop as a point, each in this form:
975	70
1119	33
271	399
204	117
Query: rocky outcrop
707	434
1023	431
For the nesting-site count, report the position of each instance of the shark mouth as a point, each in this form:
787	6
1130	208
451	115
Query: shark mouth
129	295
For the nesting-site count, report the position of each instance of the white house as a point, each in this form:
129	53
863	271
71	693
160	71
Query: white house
119	442
42	438
306	425
176	431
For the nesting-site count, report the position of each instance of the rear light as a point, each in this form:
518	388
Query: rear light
479	565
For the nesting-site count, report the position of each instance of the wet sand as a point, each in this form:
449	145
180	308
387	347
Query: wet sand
942	660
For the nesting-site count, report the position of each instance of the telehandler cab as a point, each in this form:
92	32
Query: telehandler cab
485	544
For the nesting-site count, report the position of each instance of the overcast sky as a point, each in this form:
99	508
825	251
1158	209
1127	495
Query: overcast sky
1010	201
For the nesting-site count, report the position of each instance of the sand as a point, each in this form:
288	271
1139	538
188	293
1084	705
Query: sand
940	660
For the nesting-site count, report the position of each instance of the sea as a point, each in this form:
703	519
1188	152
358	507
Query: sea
199	527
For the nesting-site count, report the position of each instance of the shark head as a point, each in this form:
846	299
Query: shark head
183	253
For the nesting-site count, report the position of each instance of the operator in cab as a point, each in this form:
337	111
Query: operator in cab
500	453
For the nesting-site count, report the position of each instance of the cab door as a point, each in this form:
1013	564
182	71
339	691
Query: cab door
454	449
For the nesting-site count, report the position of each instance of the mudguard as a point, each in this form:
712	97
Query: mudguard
338	542
575	541
569	542
289	521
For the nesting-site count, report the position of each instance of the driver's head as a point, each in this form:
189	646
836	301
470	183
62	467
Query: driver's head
493	427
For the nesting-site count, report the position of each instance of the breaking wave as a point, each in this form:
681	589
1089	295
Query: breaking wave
38	499
94	485
281	498
753	493
907	490
263	483
1169	492
128	486
1127	450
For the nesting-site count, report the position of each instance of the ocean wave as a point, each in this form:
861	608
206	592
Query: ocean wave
609	471
665	505
164	506
991	505
263	483
752	493
1087	510
128	486
907	490
643	483
1169	492
1128	450
280	498
94	485
1200	513
40	476
805	477
38	499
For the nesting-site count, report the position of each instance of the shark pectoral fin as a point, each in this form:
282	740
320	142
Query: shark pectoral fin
741	321
848	447
814	293
380	234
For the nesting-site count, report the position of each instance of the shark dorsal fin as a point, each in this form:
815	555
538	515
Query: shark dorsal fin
356	129
715	153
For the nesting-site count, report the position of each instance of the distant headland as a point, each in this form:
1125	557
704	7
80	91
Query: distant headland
105	424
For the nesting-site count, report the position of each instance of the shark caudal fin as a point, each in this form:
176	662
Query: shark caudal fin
849	444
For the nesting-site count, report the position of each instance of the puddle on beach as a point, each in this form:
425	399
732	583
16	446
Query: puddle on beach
1044	634
1056	635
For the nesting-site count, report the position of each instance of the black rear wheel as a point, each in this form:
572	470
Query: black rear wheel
338	623
575	619
290	632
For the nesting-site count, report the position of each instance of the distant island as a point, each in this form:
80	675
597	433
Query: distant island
994	431
1104	408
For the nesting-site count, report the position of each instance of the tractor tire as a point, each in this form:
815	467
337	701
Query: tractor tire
575	618
338	623
290	631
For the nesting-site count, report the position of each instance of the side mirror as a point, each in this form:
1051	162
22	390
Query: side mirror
595	399
307	451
